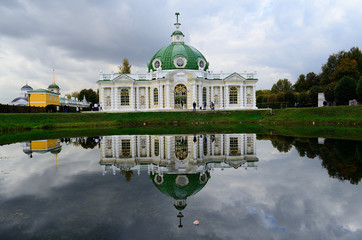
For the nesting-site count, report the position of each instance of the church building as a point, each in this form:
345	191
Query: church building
178	78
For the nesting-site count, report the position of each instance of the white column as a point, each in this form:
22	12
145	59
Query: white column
138	146
168	145
222	144
112	98
132	98
137	97
241	96
244	97
227	100
148	145
133	147
221	97
212	147
194	95
212	94
160	95
201	140
195	150
200	96
162	147
147	98
116	99
117	147
168	96
242	145
254	96
227	145
102	97
207	95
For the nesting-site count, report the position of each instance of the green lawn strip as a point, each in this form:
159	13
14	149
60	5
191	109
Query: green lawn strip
341	115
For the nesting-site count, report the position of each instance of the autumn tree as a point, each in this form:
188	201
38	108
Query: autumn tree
346	67
125	67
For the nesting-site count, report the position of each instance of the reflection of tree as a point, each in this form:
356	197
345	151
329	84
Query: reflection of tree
342	158
282	143
89	142
127	174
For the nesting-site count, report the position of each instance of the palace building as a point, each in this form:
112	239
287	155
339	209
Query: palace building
178	76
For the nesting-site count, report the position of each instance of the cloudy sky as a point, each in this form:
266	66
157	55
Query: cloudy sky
277	39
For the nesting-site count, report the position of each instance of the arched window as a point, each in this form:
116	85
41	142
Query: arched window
157	147
124	97
233	95
155	96
204	94
234	146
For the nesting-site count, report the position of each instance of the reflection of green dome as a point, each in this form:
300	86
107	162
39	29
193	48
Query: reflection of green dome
168	56
180	186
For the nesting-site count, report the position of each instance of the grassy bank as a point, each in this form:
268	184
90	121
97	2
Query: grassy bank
327	116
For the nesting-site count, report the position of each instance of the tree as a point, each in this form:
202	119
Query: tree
346	67
299	86
282	85
359	90
303	98
290	98
75	94
272	98
90	95
329	91
281	97
313	94
345	90
125	67
311	80
329	67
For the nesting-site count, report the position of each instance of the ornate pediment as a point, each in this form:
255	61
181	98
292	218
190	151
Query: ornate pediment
234	77
123	78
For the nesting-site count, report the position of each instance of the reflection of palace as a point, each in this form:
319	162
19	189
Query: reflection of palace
43	146
179	166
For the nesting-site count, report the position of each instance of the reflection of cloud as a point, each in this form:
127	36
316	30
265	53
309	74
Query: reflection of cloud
289	197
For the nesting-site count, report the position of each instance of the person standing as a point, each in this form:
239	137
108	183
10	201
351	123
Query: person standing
182	104
194	105
204	105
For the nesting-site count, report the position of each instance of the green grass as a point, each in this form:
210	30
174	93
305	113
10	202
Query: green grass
189	122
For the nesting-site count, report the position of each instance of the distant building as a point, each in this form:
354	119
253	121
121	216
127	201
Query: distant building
43	97
23	100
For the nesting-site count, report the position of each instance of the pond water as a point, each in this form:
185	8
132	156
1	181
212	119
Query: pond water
238	186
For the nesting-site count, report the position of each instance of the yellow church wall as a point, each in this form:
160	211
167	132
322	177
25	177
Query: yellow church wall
43	99
44	144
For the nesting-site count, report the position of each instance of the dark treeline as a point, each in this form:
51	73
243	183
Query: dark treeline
342	158
340	80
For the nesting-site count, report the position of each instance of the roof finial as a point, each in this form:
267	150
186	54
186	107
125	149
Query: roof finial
53	77
177	24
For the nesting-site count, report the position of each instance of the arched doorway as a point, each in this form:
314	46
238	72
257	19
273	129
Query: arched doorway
180	96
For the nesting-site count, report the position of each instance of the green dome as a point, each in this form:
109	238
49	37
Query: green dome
53	86
169	185
178	55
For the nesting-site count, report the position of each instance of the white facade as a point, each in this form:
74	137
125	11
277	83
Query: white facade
177	153
161	90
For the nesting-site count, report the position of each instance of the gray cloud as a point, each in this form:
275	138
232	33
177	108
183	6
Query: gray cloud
277	39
